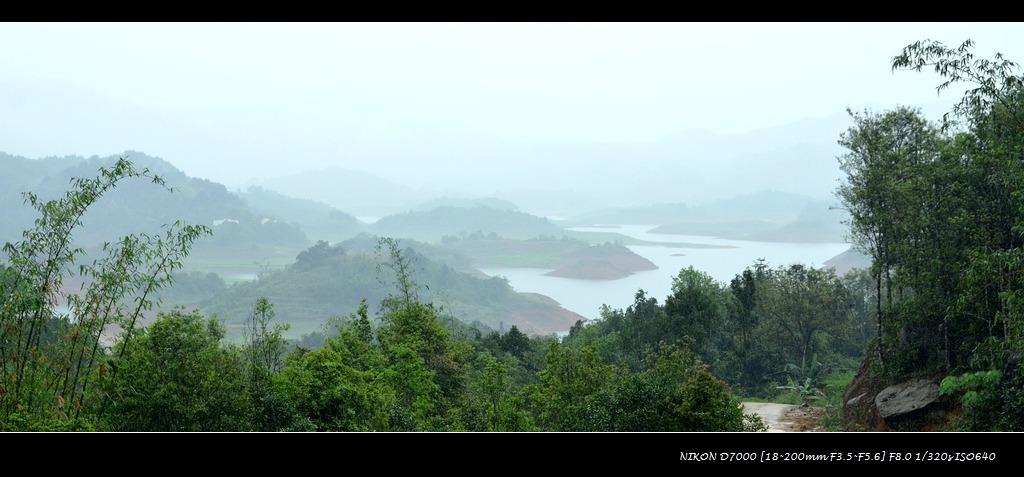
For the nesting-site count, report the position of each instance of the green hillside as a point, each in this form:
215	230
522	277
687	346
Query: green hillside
328	281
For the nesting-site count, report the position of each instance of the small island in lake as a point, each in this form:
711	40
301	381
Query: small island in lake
567	257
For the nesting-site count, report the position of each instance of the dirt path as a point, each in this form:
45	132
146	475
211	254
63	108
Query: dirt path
786	417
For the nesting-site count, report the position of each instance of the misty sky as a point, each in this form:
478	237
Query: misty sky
526	82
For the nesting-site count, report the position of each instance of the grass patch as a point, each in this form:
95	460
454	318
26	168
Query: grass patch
249	261
835	384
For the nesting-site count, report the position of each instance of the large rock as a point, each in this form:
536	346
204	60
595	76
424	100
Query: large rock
871	404
900	400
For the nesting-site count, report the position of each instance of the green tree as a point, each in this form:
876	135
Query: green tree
413	335
175	376
980	292
331	395
317	255
264	351
696	309
803	310
885	153
53	341
621	337
515	342
674	393
494	404
997	86
701	402
568	382
744	363
342	386
860	283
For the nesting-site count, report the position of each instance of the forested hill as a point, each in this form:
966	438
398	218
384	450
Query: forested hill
136	205
331	280
318	220
435	224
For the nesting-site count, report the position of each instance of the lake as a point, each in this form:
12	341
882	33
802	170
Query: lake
585	297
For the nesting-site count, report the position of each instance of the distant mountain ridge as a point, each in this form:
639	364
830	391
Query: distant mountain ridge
349	148
262	215
137	205
353	191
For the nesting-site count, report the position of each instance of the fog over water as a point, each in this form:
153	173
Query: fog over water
585	297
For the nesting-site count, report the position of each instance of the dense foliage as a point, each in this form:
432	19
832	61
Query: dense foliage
104	365
755	333
940	209
937	206
55	352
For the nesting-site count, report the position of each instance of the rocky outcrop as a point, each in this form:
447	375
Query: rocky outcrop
871	404
540	315
906	399
860	413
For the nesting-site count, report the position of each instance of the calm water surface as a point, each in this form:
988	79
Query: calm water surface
585	297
